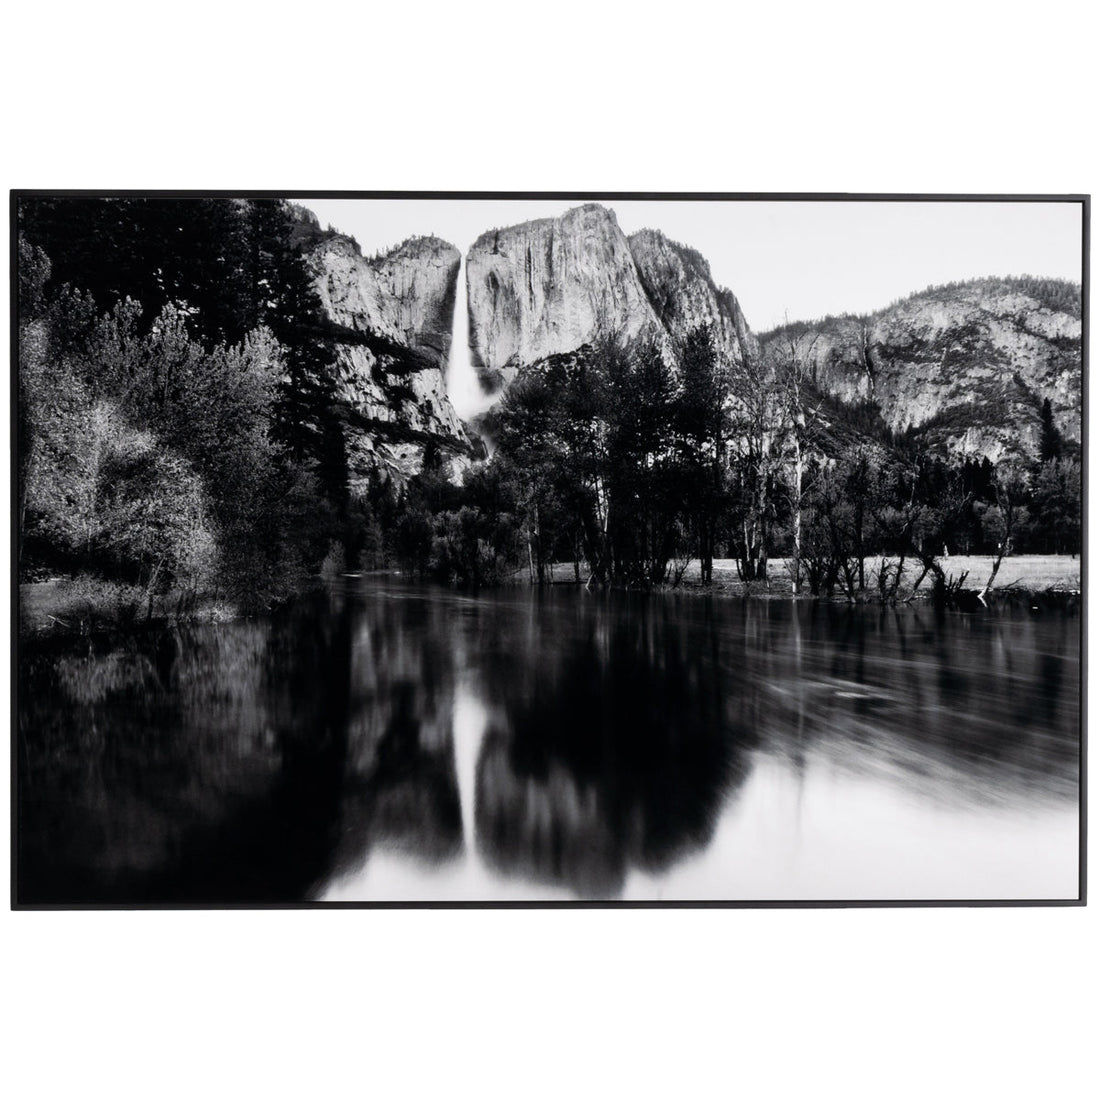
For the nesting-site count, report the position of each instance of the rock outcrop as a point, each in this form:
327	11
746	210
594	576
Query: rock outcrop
683	295
391	318
548	287
964	368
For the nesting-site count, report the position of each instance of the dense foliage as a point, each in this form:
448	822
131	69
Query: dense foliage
177	430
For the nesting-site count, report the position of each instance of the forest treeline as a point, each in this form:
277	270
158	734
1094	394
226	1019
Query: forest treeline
1057	295
180	437
632	462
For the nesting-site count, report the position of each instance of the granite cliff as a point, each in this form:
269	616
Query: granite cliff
391	321
963	368
547	287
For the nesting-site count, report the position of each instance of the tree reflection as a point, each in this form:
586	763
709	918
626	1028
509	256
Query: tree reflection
199	765
616	755
400	793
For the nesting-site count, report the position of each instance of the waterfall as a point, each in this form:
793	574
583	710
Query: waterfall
464	389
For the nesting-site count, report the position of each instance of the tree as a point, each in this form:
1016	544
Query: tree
791	366
584	411
191	252
553	437
117	408
1005	520
642	475
101	495
307	422
705	425
1050	439
1055	506
757	414
857	466
838	504
227	266
527	426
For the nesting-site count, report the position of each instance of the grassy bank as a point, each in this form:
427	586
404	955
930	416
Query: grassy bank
83	604
1027	573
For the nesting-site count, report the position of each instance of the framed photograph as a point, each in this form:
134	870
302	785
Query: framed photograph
438	549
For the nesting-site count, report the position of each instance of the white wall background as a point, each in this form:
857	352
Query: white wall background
843	97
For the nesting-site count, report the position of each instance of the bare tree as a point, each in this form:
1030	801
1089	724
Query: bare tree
1010	491
798	430
757	404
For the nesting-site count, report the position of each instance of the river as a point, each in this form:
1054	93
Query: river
382	741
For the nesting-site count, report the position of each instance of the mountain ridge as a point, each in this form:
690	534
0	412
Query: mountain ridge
963	367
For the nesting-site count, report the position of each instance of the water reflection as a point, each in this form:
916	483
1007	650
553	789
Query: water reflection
612	743
388	742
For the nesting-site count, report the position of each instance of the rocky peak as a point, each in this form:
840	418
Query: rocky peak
683	295
392	315
547	287
966	366
406	294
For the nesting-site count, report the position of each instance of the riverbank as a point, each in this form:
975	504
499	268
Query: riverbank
1059	573
81	604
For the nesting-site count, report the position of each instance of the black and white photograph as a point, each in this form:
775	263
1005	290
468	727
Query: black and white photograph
548	550
604	549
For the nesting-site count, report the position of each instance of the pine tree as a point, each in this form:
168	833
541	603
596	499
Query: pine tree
704	425
307	423
1050	439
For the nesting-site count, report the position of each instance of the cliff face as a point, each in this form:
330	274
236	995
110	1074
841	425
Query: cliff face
406	295
683	296
966	367
547	287
392	320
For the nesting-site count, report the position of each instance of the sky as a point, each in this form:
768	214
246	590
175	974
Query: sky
783	260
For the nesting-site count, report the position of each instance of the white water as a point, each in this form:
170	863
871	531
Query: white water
464	389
